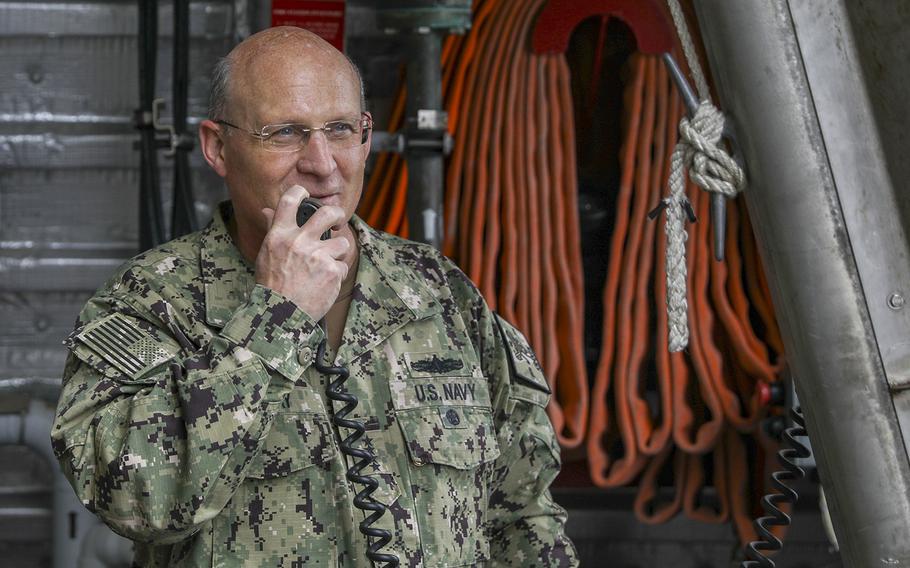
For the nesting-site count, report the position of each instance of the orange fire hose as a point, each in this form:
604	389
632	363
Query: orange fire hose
571	380
600	419
648	506
651	441
511	222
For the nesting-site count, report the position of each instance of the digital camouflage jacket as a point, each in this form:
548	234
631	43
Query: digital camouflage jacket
193	421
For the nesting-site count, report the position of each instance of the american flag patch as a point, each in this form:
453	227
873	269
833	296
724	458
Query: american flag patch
124	345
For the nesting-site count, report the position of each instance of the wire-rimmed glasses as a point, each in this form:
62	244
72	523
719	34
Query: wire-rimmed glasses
291	137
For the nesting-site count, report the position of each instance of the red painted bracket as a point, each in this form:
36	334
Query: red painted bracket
653	32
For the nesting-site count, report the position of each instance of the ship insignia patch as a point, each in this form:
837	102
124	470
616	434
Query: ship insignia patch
436	365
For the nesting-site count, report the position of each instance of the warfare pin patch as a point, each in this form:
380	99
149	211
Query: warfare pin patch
124	345
436	365
447	363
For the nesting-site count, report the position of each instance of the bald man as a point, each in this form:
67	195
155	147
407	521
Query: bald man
194	418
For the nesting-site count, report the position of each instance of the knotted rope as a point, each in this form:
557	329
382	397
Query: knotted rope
709	166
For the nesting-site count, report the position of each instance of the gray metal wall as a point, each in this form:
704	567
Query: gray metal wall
69	178
68	171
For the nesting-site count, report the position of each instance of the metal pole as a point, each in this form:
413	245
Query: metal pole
425	167
798	211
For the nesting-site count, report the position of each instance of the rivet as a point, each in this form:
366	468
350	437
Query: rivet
35	73
896	301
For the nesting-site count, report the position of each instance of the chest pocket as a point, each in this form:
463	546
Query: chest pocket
446	421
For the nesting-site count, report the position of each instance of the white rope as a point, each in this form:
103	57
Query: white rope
709	166
685	38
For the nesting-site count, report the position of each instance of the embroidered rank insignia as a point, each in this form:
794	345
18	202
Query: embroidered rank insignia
124	345
436	365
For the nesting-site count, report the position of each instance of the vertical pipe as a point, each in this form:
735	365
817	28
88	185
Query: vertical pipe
151	216
799	222
425	166
183	210
71	520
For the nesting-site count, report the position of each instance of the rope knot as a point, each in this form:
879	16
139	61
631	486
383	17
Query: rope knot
709	164
711	168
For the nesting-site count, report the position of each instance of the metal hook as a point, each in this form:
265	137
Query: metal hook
157	105
718	201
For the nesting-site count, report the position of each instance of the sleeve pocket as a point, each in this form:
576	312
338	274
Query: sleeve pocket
297	440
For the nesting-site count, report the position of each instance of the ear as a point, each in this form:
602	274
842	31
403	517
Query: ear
212	145
365	147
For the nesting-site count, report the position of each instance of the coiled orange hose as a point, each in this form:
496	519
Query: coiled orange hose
511	222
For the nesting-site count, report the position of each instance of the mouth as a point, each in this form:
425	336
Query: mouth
325	198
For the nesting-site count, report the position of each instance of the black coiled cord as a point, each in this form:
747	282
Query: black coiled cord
787	457
377	538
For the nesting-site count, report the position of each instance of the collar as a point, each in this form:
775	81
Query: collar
388	292
226	276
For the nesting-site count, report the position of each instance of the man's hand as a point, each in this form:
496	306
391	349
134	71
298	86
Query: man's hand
295	263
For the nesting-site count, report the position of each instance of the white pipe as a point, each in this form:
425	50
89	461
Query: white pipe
71	520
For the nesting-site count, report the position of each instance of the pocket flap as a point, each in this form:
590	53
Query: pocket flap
296	441
457	436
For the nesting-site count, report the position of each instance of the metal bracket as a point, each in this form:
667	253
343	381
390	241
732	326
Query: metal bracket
429	132
424	16
430	119
157	105
144	119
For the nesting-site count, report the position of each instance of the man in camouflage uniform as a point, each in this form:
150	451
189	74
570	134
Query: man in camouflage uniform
192	419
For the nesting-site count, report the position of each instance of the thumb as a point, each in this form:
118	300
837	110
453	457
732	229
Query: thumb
269	215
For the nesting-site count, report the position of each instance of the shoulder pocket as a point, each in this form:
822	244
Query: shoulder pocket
528	381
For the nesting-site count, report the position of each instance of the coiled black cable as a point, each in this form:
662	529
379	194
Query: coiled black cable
776	517
377	538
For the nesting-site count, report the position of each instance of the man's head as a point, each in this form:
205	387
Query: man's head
279	76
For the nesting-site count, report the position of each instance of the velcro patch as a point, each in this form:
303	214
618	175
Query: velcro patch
525	368
124	345
441	391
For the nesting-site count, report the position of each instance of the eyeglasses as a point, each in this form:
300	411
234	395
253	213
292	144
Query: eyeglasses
340	134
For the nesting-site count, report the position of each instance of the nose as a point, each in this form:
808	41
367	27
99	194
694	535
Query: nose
316	157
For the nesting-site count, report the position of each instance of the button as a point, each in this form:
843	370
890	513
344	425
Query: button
305	356
418	461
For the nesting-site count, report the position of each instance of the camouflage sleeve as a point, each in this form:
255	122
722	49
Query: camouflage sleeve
155	430
527	528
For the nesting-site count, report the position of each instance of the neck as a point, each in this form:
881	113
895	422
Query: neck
246	238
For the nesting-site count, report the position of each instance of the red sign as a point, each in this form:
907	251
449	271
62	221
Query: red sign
324	18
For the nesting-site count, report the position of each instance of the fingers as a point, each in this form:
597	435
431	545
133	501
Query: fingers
336	247
286	212
327	217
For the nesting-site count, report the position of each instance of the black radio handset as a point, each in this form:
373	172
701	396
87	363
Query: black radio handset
376	538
